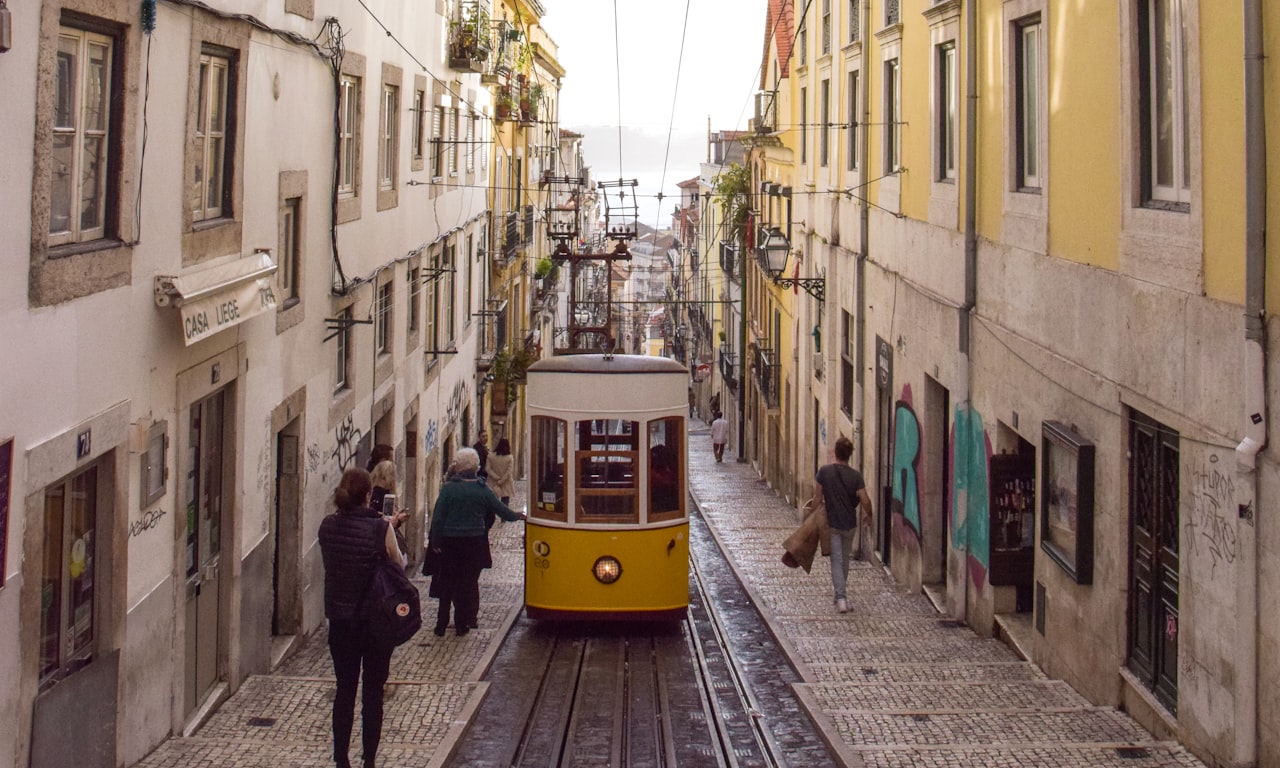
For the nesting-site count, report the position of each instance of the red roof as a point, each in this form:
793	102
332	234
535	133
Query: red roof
777	27
688	183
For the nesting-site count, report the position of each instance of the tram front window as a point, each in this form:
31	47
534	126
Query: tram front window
666	481
548	440
606	459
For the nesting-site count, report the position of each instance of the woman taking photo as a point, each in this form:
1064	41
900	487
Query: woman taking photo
353	540
459	535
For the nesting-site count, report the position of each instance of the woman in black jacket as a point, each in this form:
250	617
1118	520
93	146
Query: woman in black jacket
353	539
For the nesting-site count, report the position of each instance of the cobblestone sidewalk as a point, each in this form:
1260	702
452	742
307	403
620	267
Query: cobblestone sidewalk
892	682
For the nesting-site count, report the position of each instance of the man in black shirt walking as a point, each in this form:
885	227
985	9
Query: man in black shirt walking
842	490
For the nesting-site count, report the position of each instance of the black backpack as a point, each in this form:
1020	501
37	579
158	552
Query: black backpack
392	606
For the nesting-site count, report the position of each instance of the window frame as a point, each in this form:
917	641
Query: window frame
106	136
848	335
804	127
389	144
947	125
342	359
416	141
290	257
349	136
824	141
437	140
382	318
70	660
892	139
854	77
214	145
1154	193
1028	102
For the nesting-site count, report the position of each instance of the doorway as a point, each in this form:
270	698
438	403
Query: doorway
286	606
1154	526
933	482
206	496
884	447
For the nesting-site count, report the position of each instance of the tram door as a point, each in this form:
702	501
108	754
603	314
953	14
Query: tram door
204	496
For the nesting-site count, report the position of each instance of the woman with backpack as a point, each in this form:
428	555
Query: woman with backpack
354	539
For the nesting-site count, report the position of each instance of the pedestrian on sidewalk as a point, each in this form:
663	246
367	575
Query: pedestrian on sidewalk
842	490
459	535
502	470
353	540
719	434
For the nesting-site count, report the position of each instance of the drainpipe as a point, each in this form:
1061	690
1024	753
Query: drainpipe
965	361
1255	391
864	243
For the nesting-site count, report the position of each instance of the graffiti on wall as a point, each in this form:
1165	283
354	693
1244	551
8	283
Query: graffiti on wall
430	437
346	440
1211	525
970	524
149	520
906	462
457	401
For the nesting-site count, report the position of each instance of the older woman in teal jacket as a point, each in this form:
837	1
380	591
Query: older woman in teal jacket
459	534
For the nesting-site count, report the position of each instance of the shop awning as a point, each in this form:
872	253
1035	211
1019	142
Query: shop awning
217	298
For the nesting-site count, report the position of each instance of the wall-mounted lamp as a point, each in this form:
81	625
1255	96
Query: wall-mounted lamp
773	251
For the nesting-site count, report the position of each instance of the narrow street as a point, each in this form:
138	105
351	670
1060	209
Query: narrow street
891	683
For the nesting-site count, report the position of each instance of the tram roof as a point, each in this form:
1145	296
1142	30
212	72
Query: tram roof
607	364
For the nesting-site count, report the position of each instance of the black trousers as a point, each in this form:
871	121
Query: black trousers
351	646
458	583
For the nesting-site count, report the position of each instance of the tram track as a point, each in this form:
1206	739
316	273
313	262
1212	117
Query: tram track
712	691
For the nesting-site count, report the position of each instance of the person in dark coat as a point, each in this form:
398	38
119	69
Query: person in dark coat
353	539
460	537
482	451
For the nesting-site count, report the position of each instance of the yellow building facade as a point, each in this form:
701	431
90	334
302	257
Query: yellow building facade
1036	226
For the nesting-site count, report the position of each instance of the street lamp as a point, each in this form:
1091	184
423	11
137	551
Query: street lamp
772	252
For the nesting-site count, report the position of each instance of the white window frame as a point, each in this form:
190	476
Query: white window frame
390	139
342	361
892	115
78	133
453	142
947	108
212	115
348	137
437	142
419	105
824	122
1028	63
290	249
382	318
471	142
1168	172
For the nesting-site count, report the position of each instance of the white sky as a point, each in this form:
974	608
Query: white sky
718	76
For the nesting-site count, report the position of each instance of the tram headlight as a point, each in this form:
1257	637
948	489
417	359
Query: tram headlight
607	569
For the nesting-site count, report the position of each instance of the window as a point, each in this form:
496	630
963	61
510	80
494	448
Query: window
666	469
466	278
853	121
1027	92
804	128
946	111
1165	112
855	21
606	459
826	27
416	139
68	602
892	13
437	141
892	117
824	141
429	335
209	195
471	142
388	146
547	446
848	335
81	140
348	137
382	320
342	363
804	38
449	264
453	142
415	299
290	255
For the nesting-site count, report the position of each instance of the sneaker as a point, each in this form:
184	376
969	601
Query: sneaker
842	605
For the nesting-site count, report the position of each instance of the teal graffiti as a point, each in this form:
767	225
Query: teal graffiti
906	459
970	526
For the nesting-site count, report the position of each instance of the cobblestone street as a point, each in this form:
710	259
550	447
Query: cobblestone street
891	683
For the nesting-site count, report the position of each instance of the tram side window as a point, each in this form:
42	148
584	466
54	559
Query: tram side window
666	469
606	457
548	441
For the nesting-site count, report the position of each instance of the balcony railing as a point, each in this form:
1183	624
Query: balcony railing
470	37
767	374
729	367
728	258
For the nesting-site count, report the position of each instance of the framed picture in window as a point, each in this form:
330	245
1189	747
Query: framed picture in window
155	468
1066	500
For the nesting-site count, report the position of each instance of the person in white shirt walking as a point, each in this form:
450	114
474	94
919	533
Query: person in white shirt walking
719	434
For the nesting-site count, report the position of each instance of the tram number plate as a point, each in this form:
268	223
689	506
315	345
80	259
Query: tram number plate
541	562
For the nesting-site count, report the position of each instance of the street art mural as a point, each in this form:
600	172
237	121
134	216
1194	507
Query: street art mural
970	524
906	462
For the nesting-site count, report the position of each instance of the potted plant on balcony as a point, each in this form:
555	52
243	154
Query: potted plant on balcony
504	104
468	47
510	369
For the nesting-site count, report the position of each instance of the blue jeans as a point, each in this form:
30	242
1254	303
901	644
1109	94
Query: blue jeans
842	543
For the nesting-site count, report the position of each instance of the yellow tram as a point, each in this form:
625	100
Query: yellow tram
607	536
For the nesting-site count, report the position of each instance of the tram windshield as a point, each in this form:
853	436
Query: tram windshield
615	470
